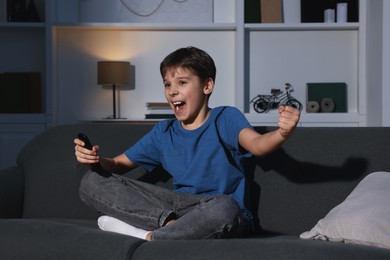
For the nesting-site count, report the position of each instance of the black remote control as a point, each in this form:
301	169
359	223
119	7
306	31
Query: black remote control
96	167
85	139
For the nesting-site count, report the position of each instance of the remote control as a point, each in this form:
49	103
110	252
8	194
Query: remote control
96	167
85	139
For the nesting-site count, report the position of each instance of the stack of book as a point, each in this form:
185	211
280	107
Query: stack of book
158	110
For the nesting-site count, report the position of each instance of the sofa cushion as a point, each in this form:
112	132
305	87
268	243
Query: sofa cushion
265	248
363	218
62	239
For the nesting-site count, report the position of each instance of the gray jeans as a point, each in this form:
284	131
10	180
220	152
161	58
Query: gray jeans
148	206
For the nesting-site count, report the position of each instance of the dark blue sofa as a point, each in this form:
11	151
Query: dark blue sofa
42	217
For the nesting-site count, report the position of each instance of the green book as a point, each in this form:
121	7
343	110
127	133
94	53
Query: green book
252	11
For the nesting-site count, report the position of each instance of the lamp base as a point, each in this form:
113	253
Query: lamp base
114	118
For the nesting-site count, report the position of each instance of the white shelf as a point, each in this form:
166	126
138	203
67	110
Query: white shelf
21	25
149	26
307	119
301	26
38	118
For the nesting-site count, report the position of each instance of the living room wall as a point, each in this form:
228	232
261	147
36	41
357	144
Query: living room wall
80	98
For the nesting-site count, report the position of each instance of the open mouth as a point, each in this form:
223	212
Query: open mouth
178	105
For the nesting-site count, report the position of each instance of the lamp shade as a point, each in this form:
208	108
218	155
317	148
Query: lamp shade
113	73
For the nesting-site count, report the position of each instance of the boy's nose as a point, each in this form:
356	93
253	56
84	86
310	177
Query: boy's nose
173	91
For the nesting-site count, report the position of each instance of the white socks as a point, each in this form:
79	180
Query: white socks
108	223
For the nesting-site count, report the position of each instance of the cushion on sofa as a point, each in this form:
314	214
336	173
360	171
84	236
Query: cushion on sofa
262	247
62	239
363	218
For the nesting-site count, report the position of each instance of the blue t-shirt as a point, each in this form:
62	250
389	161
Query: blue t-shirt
207	160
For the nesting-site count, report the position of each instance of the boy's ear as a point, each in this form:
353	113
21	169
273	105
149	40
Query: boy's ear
208	86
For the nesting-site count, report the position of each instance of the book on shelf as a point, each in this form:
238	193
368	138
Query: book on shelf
158	105
16	10
159	116
158	110
3	11
252	11
21	11
32	12
271	11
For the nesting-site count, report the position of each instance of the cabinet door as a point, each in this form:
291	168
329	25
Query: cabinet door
12	139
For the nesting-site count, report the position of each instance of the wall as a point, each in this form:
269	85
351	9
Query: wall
386	64
151	11
378	63
373	93
79	50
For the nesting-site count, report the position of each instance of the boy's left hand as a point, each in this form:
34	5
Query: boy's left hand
288	120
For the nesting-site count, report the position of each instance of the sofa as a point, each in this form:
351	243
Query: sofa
42	217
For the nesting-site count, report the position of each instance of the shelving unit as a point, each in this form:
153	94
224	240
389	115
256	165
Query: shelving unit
299	53
267	56
23	48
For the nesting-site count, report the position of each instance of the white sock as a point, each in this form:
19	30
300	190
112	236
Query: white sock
108	223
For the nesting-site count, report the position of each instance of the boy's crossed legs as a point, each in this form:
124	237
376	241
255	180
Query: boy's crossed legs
143	210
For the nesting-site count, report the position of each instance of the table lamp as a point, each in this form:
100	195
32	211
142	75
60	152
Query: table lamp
113	73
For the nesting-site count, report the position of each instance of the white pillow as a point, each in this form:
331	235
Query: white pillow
363	218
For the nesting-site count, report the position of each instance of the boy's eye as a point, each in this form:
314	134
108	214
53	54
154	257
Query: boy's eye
182	82
166	85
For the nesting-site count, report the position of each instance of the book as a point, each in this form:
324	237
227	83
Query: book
252	11
159	111
3	11
271	11
158	105
31	13
159	116
16	10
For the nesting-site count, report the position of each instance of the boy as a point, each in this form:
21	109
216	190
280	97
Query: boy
203	149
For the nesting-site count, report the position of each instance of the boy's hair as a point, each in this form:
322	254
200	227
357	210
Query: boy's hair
191	58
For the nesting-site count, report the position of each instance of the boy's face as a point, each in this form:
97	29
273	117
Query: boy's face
187	95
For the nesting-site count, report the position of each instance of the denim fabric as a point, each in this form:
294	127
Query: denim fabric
148	206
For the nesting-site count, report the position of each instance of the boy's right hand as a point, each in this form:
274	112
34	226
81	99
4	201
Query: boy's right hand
84	155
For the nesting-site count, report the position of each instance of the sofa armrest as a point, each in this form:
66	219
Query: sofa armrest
11	192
